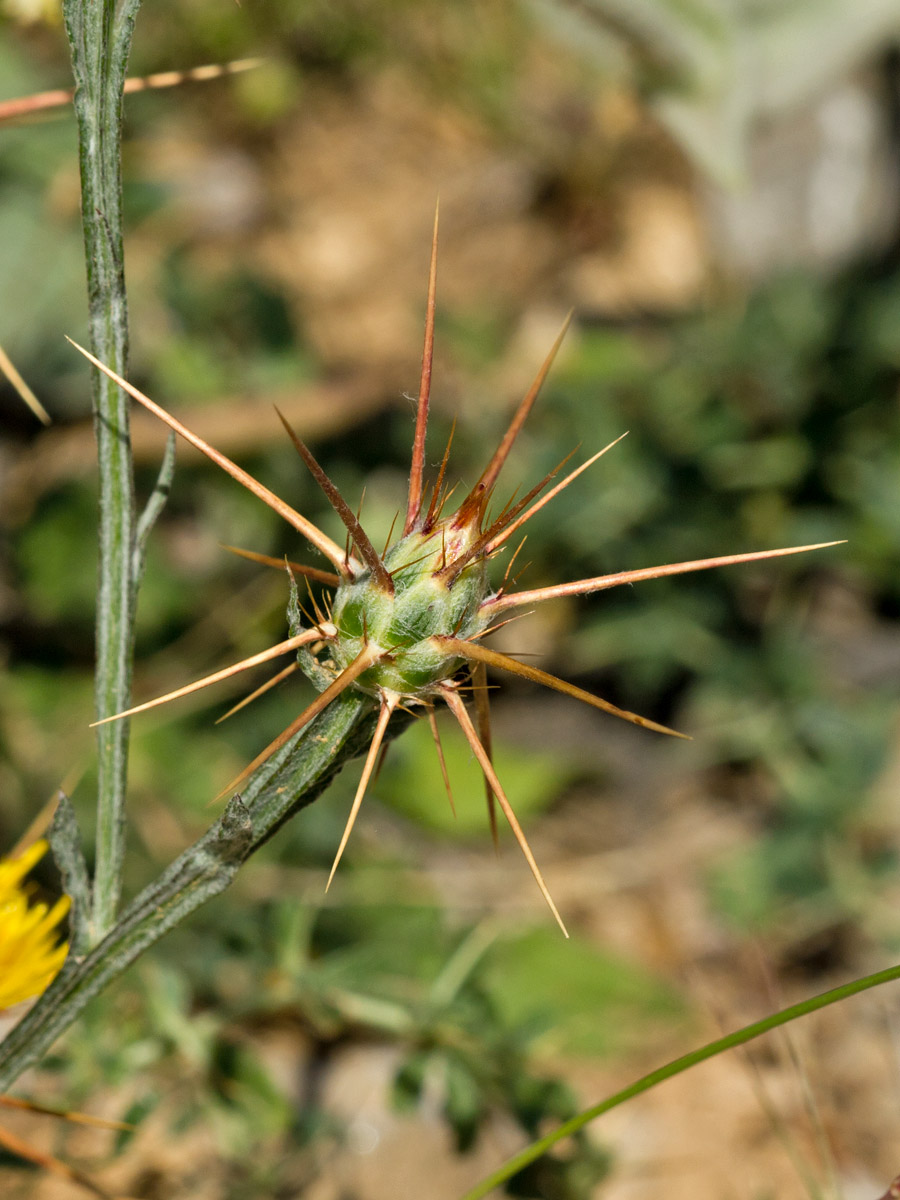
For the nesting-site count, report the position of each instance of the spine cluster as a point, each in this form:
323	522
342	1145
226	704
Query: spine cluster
407	627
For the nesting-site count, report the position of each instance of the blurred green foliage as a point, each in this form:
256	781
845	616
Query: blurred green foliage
766	419
449	1001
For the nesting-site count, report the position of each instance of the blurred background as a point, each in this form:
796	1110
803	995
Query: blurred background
714	188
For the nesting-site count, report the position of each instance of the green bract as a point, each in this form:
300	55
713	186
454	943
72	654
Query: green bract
403	624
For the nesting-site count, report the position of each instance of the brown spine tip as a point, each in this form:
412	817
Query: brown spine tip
583	587
417	465
344	511
365	659
471	511
309	531
267	560
23	389
294	643
456	706
476	653
478	672
388	704
509	525
437	496
492	470
435	733
489	537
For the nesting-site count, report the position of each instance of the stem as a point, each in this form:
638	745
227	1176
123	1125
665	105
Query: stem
738	1038
100	40
152	509
102	946
290	780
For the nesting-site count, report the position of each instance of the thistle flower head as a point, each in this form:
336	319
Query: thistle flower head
30	950
403	624
405	621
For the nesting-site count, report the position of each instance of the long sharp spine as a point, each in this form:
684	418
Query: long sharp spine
417	466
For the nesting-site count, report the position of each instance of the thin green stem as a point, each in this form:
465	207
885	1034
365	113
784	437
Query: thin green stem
676	1067
99	40
156	502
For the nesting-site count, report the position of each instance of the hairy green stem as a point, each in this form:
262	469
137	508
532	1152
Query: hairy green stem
290	780
738	1038
100	39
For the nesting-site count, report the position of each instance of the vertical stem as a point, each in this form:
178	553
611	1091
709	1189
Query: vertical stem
99	40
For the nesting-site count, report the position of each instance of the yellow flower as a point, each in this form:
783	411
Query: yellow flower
30	951
33	12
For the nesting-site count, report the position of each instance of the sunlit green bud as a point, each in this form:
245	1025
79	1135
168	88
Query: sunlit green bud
423	604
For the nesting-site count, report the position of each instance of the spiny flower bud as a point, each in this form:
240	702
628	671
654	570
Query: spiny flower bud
404	624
